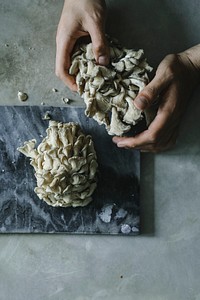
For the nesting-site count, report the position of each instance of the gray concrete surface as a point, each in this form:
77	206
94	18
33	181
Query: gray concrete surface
164	262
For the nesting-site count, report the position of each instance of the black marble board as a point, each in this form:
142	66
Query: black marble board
115	208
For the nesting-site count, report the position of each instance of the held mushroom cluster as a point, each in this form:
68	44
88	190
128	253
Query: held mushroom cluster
108	92
65	165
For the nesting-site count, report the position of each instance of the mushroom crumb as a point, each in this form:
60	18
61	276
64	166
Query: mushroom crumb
109	91
65	100
22	96
65	165
47	116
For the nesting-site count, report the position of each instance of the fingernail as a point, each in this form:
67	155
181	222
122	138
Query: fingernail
115	139
103	60
120	144
141	102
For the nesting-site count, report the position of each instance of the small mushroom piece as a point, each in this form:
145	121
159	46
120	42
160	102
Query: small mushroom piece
95	71
73	70
137	82
101	118
118	100
28	148
46	116
89	52
48	162
119	66
117	127
133	114
126	82
98	81
77	163
91	108
22	96
108	73
139	54
102	103
131	94
117	53
134	61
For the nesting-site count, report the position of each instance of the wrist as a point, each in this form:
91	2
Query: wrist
192	58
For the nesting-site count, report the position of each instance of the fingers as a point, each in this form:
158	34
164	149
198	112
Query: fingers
99	43
162	132
65	47
143	143
95	25
63	53
78	19
151	92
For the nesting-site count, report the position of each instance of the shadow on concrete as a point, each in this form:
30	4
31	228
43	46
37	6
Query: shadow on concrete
147	215
153	25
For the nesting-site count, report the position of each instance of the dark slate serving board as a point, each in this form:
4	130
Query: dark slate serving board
115	208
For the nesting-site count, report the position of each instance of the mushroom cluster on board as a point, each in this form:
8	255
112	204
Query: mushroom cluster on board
109	91
65	165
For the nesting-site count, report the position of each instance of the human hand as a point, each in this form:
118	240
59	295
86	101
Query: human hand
175	79
78	19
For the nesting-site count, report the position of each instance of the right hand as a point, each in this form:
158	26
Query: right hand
78	19
175	80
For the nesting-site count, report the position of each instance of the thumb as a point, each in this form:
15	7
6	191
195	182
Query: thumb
99	42
149	94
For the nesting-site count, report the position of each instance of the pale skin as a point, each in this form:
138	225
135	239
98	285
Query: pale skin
80	18
176	76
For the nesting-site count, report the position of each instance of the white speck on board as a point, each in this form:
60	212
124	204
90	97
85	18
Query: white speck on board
106	213
125	228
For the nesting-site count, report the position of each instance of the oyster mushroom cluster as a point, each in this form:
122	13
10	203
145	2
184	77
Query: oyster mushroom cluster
108	92
65	165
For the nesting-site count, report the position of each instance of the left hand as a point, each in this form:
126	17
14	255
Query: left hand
175	80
